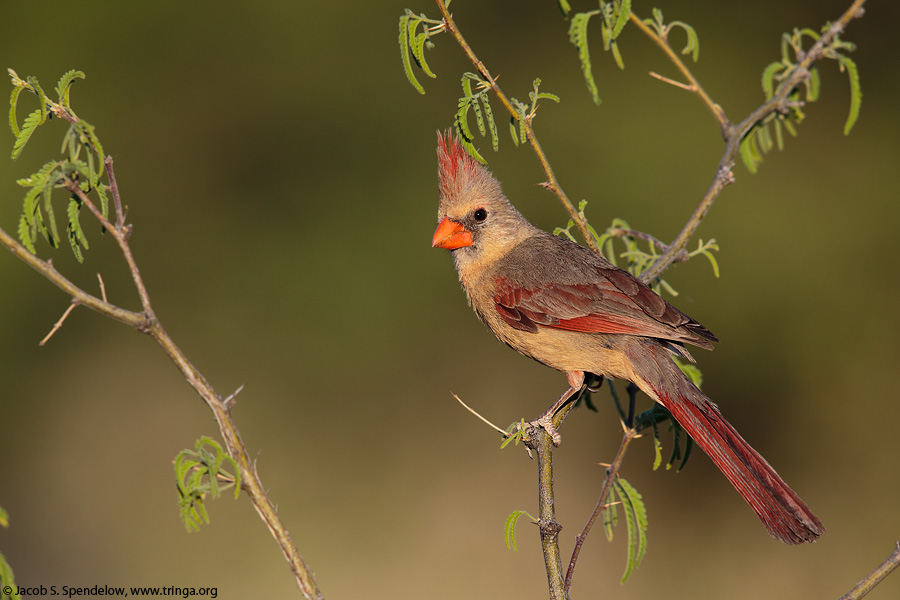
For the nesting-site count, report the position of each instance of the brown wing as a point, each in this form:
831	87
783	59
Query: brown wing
551	282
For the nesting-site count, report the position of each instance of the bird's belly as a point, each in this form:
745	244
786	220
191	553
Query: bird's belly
596	353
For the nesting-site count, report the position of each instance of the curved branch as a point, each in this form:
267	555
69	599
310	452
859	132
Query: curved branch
693	85
78	295
869	582
736	133
146	322
611	473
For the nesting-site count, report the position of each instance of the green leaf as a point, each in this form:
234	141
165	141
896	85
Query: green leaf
610	515
7	581
636	522
104	200
747	154
657	448
509	530
622	18
13	102
471	149
77	240
517	123
405	53
461	123
42	97
87	134
578	37
712	259
52	233
789	126
617	56
779	143
512	130
813	85
65	82
417	43
855	91
28	127
492	124
564	7
692	46
479	117
768	78
691	371
419	54
27	233
764	138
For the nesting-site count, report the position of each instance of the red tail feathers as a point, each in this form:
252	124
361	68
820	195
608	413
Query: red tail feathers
779	508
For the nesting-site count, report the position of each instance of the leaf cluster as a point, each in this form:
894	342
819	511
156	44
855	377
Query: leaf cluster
484	116
416	32
82	165
637	260
614	16
623	494
199	473
768	133
509	529
478	101
413	43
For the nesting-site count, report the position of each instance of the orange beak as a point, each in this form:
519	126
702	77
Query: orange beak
450	235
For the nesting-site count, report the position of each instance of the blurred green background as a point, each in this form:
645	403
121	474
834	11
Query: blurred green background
280	175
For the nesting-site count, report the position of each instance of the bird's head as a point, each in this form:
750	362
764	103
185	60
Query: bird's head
474	217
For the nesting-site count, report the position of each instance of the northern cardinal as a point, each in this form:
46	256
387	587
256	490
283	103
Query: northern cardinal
571	309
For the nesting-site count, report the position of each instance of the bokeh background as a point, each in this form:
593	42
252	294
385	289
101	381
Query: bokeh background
280	175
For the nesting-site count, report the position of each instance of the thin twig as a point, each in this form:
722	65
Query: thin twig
474	412
59	323
102	287
693	85
50	273
114	188
868	583
611	473
665	79
232	398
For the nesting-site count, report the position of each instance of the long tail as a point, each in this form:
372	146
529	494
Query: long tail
779	508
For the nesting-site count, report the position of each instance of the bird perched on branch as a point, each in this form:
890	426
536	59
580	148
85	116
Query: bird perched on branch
571	309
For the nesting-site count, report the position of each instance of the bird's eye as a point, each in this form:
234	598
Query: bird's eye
480	214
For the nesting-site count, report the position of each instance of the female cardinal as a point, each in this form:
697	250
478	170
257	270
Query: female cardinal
571	309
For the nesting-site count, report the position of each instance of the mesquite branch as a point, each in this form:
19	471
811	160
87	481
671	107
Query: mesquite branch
868	583
146	321
733	134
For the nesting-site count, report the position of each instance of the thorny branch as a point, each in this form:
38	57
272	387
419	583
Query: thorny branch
733	134
146	321
869	582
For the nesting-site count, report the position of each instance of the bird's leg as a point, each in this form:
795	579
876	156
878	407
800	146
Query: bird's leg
576	382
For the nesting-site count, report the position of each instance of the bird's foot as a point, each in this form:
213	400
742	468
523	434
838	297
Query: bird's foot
545	422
